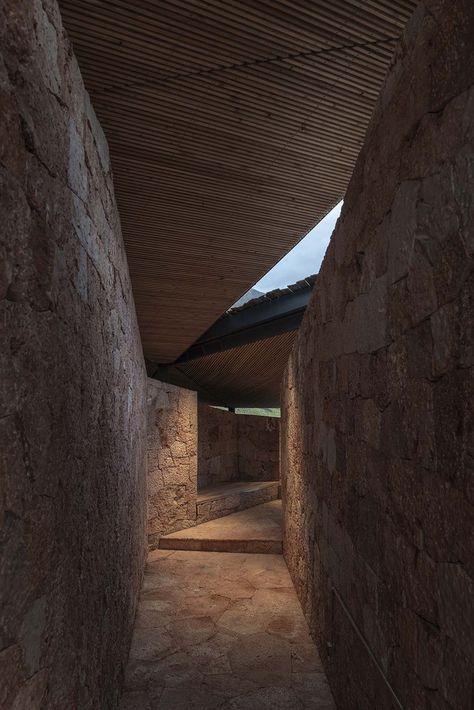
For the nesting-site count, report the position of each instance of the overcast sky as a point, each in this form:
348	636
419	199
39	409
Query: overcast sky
304	259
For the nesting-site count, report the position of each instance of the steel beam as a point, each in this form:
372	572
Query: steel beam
248	325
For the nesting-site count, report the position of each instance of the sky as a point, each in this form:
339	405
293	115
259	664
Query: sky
304	259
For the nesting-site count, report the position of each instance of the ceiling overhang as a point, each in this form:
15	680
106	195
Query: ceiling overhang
239	361
233	128
272	314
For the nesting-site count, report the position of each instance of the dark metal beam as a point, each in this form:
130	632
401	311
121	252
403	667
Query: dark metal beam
258	321
248	325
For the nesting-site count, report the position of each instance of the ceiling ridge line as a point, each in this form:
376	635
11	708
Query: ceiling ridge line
244	65
289	139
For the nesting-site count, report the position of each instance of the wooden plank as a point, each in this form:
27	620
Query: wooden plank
218	174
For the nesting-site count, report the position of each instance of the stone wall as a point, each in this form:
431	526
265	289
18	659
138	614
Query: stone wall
259	444
72	494
172	459
217	445
236	446
377	428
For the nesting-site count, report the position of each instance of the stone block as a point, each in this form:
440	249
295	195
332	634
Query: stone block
73	499
235	447
444	331
384	360
400	232
171	459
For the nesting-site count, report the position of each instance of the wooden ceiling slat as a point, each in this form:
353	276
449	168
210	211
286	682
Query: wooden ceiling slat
247	376
218	174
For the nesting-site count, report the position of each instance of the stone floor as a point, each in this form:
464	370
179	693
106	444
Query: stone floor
227	498
256	529
219	631
217	491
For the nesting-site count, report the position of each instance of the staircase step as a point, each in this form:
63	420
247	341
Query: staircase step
227	498
257	529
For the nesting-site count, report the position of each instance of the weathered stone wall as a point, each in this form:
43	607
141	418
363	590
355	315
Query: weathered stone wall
377	429
172	459
72	500
236	446
259	444
217	446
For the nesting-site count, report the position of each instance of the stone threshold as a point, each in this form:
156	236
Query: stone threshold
227	498
255	530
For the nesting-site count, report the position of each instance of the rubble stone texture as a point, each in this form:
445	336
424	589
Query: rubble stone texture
377	428
259	448
217	446
172	459
72	500
227	498
236	447
222	631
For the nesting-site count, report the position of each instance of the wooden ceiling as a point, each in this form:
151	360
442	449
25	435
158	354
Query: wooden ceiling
240	361
233	127
246	376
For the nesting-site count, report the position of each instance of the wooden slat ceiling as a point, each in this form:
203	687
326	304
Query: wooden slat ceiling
250	374
247	376
233	128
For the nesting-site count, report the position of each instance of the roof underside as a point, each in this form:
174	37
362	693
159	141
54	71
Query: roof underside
233	128
245	376
239	361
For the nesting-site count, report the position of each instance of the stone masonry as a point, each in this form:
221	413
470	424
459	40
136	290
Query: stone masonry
172	459
191	446
378	418
259	448
72	494
217	446
236	446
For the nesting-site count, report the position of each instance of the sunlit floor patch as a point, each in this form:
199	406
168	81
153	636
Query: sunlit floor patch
222	631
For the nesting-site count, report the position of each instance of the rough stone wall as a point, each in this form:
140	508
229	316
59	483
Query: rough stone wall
236	446
172	459
217	446
72	493
377	429
259	444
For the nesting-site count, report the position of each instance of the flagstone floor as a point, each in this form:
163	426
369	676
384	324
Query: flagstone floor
222	631
257	529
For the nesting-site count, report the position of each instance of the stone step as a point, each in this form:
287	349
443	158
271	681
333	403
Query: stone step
227	498
256	529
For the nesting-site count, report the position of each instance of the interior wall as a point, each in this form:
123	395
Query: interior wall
377	427
236	447
72	500
172	459
218	441
259	447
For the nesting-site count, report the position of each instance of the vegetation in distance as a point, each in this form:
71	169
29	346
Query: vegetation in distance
256	411
262	412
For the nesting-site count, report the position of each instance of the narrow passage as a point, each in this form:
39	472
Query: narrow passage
220	630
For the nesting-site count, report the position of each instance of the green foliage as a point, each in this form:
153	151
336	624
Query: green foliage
262	412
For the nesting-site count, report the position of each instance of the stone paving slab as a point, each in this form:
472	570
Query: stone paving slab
221	632
227	498
255	530
217	491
